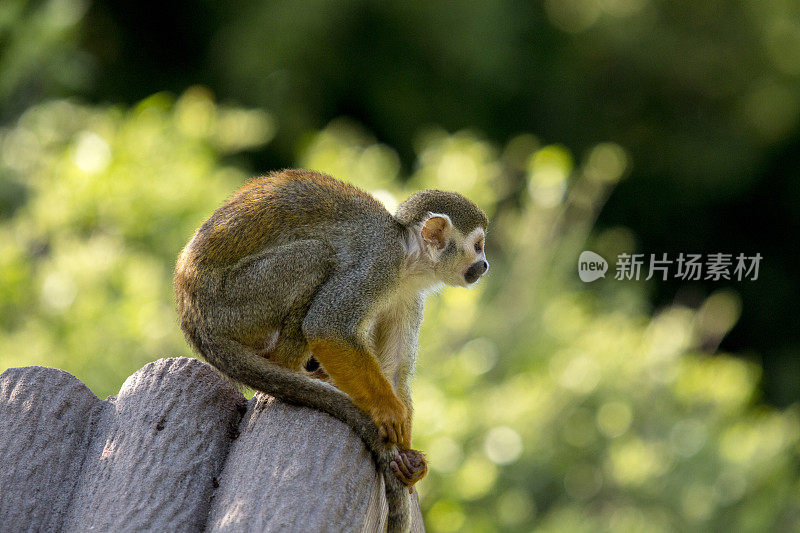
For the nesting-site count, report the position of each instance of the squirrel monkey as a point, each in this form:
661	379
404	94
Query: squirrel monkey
298	270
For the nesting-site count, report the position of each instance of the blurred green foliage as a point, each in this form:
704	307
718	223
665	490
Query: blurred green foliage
109	195
40	55
541	405
704	96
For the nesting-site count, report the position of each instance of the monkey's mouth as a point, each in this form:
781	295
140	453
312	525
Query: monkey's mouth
475	271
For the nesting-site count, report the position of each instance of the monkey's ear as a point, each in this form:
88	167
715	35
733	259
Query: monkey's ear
435	230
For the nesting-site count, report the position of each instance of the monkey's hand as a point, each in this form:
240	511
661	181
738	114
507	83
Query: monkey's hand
409	466
390	417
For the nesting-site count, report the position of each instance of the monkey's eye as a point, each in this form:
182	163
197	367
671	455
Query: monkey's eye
478	246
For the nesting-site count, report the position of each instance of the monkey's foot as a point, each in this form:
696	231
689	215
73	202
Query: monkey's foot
409	466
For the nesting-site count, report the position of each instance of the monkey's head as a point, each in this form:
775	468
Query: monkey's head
450	230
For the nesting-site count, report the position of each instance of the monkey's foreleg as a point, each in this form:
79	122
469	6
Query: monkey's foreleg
357	373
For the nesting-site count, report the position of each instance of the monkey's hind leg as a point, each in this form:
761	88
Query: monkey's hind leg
267	296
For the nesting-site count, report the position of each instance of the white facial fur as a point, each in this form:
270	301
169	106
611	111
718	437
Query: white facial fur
443	252
473	246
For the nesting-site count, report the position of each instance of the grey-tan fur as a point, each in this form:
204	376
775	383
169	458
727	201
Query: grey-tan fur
297	264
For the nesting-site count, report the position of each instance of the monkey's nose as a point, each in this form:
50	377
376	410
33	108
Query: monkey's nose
476	270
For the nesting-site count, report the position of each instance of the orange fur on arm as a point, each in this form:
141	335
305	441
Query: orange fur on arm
355	372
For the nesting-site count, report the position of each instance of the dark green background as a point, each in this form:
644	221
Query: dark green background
540	400
676	83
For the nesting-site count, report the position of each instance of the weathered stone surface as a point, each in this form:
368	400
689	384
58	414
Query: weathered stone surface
319	468
46	422
164	455
157	449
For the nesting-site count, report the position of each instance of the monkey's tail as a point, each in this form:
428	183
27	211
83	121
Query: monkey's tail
239	363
